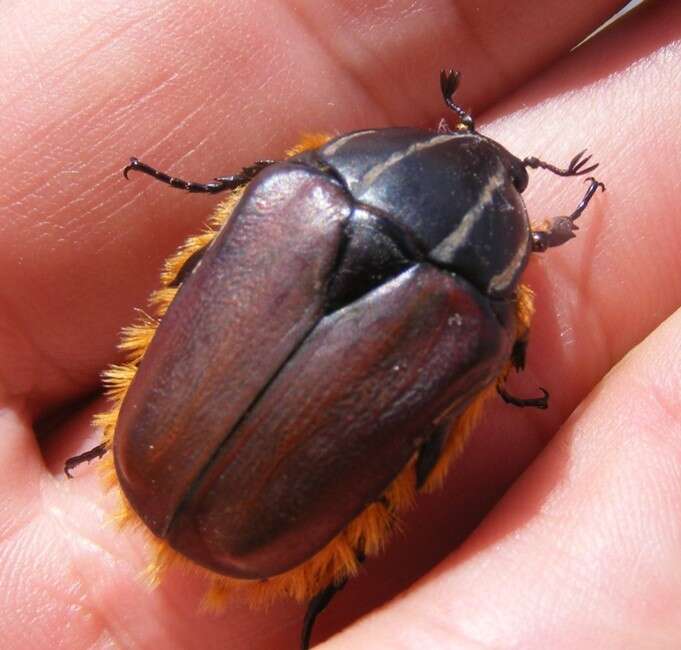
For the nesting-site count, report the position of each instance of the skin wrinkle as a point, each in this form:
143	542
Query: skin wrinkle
502	80
40	358
47	132
89	603
63	71
592	309
301	18
661	397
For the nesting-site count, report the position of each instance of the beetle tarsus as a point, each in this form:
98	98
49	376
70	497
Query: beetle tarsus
559	230
534	402
219	184
449	82
85	457
575	168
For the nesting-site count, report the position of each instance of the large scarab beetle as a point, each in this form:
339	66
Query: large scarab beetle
321	352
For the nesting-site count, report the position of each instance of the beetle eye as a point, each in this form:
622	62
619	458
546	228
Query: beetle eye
520	179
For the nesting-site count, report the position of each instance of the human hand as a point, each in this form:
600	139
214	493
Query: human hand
585	550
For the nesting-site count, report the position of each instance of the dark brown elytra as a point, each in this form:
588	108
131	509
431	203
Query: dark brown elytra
358	293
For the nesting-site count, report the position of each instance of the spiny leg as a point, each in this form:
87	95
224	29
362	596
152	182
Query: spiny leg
219	184
319	603
559	230
575	168
85	457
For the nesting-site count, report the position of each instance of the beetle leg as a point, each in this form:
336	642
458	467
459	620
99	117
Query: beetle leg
429	454
189	265
319	603
561	229
575	168
219	184
85	457
449	82
535	402
519	353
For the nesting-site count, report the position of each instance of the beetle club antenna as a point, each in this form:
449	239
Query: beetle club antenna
449	82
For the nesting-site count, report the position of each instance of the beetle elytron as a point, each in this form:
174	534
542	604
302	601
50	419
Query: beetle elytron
323	350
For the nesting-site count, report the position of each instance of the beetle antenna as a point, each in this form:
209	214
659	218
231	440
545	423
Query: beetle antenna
449	82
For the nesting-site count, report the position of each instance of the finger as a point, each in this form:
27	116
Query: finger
585	551
199	93
596	297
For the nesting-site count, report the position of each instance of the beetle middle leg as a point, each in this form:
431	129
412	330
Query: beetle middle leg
430	452
219	184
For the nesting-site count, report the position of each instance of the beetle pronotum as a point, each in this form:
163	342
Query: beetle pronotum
321	352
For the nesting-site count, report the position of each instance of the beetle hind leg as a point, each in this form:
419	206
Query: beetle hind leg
85	457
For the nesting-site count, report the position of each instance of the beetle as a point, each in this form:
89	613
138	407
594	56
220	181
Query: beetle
320	354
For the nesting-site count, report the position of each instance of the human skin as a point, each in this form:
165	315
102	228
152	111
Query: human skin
556	529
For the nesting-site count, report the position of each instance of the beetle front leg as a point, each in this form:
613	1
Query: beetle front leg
219	184
559	230
575	168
